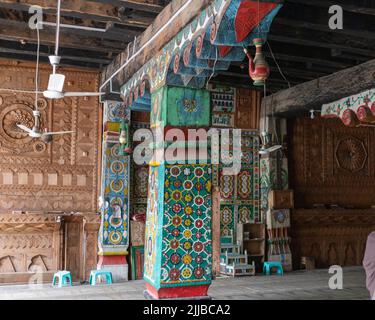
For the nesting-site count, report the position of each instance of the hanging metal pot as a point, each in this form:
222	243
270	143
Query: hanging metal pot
259	70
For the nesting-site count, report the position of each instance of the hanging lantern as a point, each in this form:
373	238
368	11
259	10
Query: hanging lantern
125	148
259	70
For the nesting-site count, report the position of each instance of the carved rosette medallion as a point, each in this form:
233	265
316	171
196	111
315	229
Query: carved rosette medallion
13	139
351	154
16	116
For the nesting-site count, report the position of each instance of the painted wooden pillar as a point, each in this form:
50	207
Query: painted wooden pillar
216	231
113	240
274	177
178	246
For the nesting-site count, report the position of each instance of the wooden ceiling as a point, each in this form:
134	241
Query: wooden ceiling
304	46
122	19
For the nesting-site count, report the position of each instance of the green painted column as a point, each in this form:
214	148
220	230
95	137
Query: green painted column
178	246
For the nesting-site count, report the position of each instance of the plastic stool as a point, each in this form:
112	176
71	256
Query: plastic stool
267	266
62	277
95	273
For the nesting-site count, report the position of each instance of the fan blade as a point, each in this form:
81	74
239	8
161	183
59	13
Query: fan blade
57	132
83	94
56	82
24	128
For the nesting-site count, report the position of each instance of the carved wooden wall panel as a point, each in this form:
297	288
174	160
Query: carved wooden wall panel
29	242
247	108
331	163
46	243
42	179
61	176
332	237
90	243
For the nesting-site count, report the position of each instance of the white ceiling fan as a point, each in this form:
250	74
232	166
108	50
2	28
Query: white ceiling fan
56	80
37	132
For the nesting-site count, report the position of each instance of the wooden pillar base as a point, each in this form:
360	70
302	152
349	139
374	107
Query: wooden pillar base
115	264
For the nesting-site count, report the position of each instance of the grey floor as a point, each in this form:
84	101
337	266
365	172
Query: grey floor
298	285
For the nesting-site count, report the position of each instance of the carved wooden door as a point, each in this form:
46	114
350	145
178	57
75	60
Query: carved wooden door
73	257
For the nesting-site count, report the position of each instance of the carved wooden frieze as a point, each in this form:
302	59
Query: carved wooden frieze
332	237
62	175
34	242
29	242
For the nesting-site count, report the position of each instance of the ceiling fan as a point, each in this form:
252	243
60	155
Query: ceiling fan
37	132
55	89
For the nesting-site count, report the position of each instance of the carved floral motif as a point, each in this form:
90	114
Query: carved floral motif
14	117
351	154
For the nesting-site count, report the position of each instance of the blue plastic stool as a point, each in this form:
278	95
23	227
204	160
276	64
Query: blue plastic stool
267	266
63	277
95	273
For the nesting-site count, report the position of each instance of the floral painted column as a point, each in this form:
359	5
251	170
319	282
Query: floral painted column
178	247
114	196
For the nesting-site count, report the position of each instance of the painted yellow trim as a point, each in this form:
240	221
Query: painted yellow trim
155	125
154	163
123	253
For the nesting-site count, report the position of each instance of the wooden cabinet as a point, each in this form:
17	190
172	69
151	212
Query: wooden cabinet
281	199
253	239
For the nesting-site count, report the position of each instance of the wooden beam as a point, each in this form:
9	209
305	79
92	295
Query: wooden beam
84	10
315	93
72	8
296	23
318	42
194	8
357	6
65	63
20	31
32	52
137	5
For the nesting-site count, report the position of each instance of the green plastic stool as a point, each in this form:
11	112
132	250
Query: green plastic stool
63	277
95	273
267	266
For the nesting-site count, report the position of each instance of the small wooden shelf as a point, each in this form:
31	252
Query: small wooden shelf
252	237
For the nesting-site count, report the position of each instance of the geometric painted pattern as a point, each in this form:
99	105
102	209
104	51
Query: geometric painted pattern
187	248
140	182
240	194
116	196
227	220
226	186
114	231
